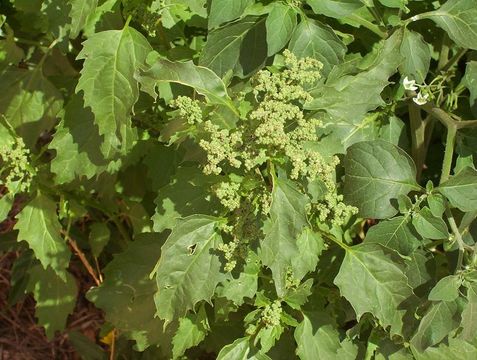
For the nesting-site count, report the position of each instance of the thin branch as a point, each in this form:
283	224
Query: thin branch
82	257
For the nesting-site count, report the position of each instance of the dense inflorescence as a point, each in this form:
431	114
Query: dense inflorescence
16	173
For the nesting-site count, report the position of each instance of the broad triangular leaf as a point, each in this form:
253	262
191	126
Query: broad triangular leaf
55	297
376	173
127	292
458	19
374	282
188	270
38	225
107	80
461	189
279	247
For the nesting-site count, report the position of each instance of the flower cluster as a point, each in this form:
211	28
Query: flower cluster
422	96
271	314
16	173
276	127
188	109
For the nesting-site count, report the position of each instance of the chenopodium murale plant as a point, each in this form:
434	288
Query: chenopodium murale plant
275	132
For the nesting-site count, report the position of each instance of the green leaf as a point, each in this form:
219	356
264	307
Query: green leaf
240	47
397	234
98	237
318	339
461	189
383	286
470	80
310	246
279	249
86	347
203	80
377	172
457	19
188	270
280	23
436	204
38	225
456	349
314	39
55	298
417	56
191	332
447	289
77	143
400	4
241	349
350	97
222	11
429	226
107	81
335	8
126	294
29	102
437	323
236	289
187	194
469	315
80	10
6	202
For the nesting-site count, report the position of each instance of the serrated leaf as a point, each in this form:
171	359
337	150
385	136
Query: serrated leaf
77	143
240	47
202	79
38	225
350	97
222	11
107	81
188	270
236	289
429	226
126	294
458	19
29	102
377	172
335	8
318	339
55	297
417	56
280	23
396	234
241	349
192	330
461	189
187	194
314	39
469	315
383	286
437	323
279	248
80	10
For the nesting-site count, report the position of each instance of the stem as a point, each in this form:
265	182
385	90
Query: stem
454	59
418	135
368	25
449	153
444	53
458	237
82	257
375	14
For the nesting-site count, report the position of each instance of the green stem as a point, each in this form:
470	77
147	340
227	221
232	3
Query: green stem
454	59
418	138
458	238
449	153
368	25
